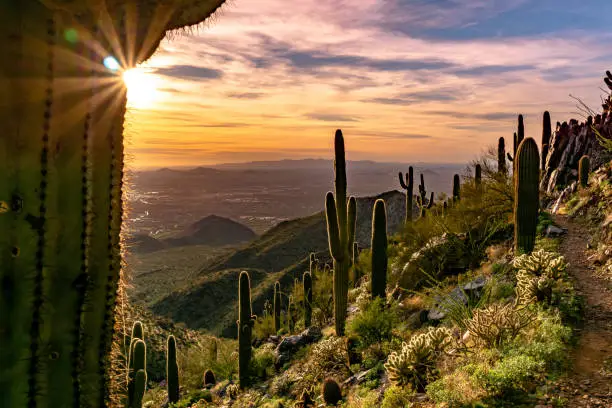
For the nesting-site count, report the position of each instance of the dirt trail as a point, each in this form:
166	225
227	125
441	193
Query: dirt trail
589	384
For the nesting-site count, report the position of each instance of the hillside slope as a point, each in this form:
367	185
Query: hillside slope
209	302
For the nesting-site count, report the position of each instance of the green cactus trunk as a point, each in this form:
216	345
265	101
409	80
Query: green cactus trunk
277	307
341	233
409	187
520	135
526	196
379	250
307	284
456	188
138	362
478	175
290	318
312	264
501	156
172	375
546	134
140	386
245	328
583	171
61	161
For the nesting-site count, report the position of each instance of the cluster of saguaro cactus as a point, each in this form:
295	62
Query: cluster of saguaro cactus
341	233
246	319
501	156
409	187
546	134
137	367
456	188
422	201
583	171
172	374
307	284
526	195
277	306
379	249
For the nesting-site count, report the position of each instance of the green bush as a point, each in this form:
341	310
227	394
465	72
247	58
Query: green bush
397	397
193	398
374	324
510	374
262	362
264	327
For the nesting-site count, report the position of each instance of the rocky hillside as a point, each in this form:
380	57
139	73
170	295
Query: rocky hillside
209	301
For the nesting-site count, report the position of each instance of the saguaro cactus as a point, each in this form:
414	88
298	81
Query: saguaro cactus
478	175
501	156
172	375
456	188
341	233
520	136
546	133
515	147
138	362
313	263
277	306
140	386
290	308
409	187
526	196
246	320
307	284
61	168
583	170
379	249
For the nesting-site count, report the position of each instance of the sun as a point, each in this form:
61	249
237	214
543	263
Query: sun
141	86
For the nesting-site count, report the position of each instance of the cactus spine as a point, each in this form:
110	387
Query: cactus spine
546	133
341	233
277	306
245	328
526	196
456	187
583	170
409	187
172	375
307	283
379	249
501	156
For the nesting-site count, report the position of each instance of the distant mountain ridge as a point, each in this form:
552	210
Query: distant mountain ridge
211	230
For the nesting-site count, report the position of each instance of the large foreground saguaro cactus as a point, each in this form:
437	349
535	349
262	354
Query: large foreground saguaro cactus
61	169
341	233
526	195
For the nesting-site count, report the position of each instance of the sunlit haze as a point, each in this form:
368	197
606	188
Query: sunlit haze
406	80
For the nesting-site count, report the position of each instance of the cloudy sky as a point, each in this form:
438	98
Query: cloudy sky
406	80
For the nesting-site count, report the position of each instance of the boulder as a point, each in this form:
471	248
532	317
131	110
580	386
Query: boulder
472	289
358	378
554	231
289	345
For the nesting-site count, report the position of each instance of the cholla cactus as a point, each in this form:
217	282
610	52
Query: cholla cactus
541	263
497	323
414	363
232	391
531	288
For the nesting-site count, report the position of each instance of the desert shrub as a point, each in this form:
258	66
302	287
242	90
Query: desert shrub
397	397
327	357
281	385
363	398
414	365
511	373
322	298
456	390
373	324
195	360
496	324
262	362
195	397
264	327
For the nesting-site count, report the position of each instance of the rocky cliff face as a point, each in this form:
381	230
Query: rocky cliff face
568	144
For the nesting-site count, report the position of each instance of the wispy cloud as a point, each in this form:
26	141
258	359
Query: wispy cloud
427	80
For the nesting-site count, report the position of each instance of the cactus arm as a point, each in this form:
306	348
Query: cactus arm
332	226
515	146
526	196
608	79
510	158
521	131
401	180
351	220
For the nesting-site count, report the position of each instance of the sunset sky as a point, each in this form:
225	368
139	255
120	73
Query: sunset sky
406	80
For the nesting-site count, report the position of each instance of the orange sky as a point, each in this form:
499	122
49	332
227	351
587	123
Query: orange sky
265	83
